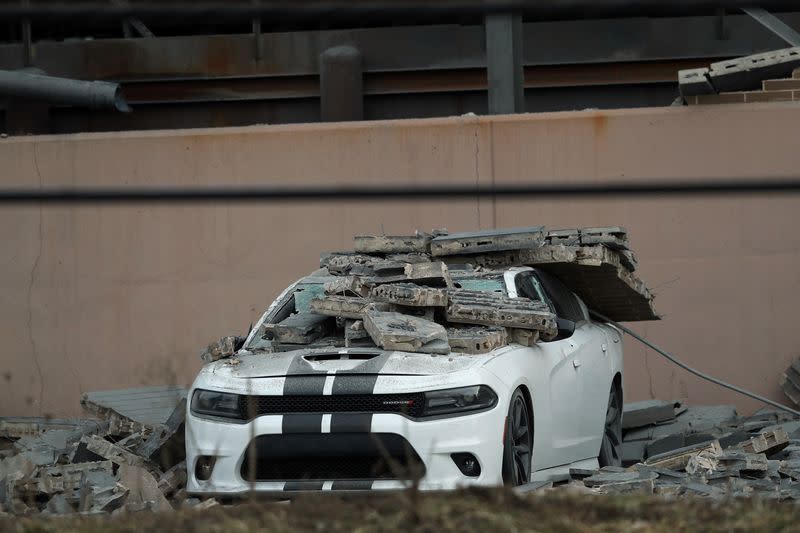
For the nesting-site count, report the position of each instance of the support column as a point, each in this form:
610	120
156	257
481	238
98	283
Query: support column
341	84
504	63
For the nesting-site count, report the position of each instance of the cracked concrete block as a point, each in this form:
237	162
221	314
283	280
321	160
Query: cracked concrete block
61	478
433	274
396	331
524	337
614	237
410	295
59	505
225	347
173	479
135	410
392	244
116	454
476	340
142	487
490	309
633	452
355	330
171	426
348	286
487	241
343	306
678	459
747	73
410	258
300	328
644	413
695	81
768	442
346	263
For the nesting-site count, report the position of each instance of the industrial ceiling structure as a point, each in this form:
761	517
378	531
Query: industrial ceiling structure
197	71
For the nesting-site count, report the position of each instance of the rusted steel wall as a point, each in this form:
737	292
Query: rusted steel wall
97	297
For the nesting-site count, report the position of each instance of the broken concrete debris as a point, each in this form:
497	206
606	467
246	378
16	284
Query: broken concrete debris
762	462
763	77
452	280
487	241
99	465
396	331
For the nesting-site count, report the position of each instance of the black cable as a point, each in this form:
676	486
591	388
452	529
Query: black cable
300	9
252	194
691	370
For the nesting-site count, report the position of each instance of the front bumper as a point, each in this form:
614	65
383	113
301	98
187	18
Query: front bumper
433	440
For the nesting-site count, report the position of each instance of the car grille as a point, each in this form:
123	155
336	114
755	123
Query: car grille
331	456
406	404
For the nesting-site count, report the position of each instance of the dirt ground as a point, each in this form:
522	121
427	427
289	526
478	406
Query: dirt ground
466	511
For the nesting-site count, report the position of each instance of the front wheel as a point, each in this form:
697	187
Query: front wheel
518	442
611	448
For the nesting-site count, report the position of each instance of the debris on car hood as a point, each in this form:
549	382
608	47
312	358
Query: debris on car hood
417	292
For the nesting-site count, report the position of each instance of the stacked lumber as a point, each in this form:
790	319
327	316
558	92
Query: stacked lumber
403	292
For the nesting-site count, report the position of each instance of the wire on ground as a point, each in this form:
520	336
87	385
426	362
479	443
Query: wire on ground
691	370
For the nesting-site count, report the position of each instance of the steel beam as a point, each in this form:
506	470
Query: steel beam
774	24
504	63
341	84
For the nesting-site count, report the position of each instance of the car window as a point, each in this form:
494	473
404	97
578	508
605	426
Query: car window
563	300
529	287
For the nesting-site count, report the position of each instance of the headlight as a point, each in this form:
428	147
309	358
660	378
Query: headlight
213	403
460	400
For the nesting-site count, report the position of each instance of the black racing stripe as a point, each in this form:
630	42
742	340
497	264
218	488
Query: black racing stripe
302	424
361	379
354	383
303	485
351	423
311	385
352	484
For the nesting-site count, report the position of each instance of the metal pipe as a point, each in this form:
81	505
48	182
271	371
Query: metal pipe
91	94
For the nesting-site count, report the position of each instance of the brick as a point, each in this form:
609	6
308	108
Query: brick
722	98
769	96
781	85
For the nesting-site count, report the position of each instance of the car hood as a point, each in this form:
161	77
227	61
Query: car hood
351	360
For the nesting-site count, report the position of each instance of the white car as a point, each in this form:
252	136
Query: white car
335	418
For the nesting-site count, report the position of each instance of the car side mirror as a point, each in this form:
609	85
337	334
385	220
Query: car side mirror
565	328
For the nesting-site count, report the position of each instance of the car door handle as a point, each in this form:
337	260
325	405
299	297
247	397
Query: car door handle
576	363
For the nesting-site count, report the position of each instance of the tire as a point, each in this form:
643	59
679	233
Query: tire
611	447
518	442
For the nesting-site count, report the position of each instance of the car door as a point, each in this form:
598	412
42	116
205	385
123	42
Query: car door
583	350
564	384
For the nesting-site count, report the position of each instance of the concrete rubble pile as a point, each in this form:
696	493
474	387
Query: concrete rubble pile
129	458
418	292
705	451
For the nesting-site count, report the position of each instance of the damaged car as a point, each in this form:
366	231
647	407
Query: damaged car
378	371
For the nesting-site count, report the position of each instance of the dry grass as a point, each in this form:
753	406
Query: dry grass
467	511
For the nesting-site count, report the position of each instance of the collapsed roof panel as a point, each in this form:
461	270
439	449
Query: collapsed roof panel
596	274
